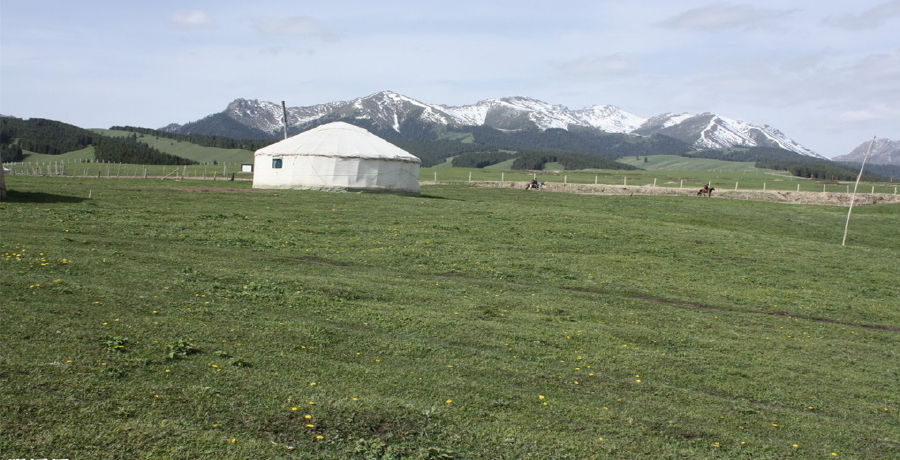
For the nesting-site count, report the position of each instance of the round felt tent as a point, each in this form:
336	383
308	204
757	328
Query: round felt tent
336	155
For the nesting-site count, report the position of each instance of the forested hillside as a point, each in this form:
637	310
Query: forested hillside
51	137
199	139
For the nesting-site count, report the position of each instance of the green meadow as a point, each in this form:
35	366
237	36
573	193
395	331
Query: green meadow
202	319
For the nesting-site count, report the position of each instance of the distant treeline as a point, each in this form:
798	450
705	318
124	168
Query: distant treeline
436	152
891	172
581	140
481	159
570	161
53	138
130	150
206	141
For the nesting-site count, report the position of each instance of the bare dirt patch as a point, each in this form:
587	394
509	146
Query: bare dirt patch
775	196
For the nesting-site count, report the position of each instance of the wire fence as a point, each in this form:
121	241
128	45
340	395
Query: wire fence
721	181
85	168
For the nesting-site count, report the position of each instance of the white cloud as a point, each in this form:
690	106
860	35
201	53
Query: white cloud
868	19
720	17
190	19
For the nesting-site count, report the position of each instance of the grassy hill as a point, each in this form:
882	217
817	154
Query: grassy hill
680	163
198	153
465	322
85	154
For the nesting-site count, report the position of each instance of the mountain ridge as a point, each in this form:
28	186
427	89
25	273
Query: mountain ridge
884	152
389	111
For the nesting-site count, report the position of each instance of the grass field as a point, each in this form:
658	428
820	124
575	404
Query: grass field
198	319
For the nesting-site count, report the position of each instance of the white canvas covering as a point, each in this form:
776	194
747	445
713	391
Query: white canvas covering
336	155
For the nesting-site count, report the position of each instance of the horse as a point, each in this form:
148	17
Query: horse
534	185
705	191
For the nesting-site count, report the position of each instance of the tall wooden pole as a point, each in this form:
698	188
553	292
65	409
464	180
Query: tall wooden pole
853	196
284	118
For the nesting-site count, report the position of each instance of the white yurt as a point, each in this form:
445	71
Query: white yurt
336	155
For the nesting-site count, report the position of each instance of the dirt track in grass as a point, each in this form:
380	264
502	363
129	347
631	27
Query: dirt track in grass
776	196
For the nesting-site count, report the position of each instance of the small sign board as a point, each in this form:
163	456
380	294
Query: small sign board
247	168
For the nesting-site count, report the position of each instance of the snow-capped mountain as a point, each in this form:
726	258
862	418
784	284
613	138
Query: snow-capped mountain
884	152
390	111
610	118
710	131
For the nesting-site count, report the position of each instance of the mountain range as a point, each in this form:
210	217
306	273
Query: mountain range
406	118
884	152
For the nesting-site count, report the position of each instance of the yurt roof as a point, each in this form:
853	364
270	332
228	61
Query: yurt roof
339	139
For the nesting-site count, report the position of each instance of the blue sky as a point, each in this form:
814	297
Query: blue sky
827	73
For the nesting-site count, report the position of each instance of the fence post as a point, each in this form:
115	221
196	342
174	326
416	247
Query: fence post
764	186
435	177
735	186
625	180
681	185
470	176
654	182
798	187
502	176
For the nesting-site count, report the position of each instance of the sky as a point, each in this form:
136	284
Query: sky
824	72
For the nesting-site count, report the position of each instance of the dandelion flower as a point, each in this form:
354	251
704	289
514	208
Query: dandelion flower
295	408
449	401
542	397
320	437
